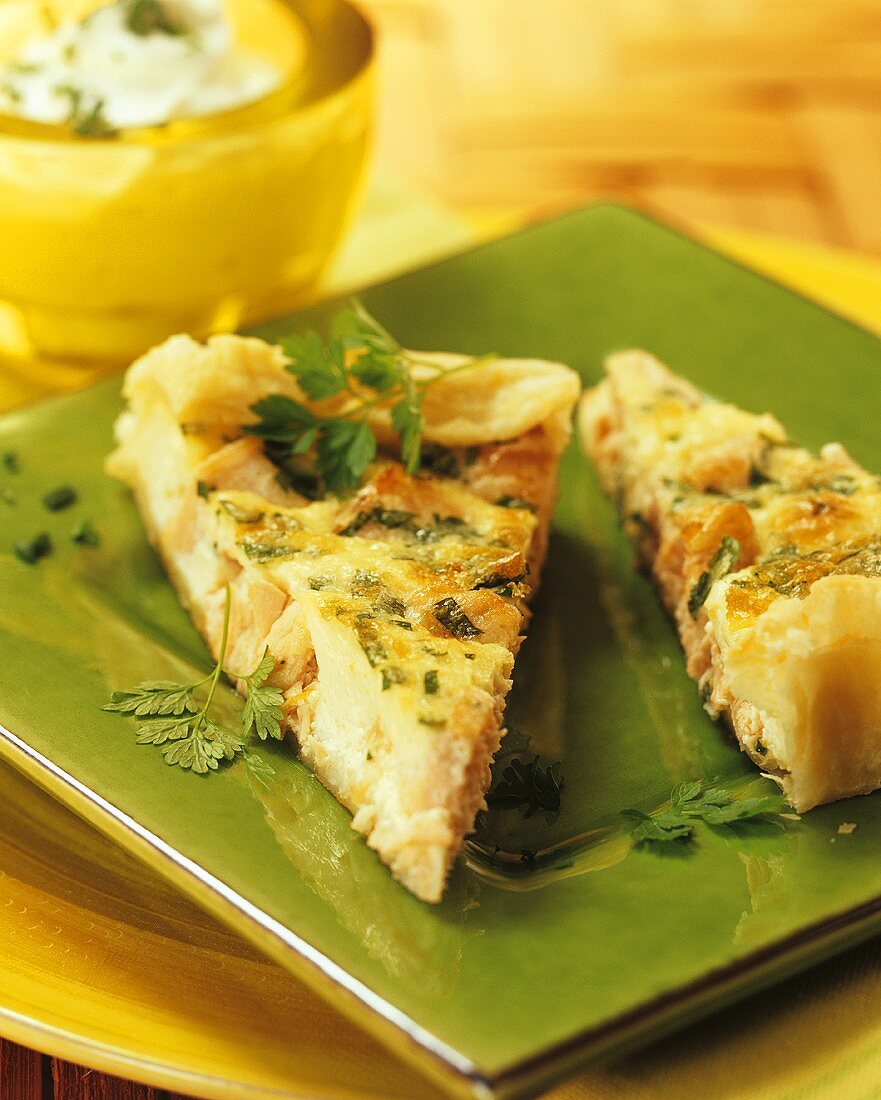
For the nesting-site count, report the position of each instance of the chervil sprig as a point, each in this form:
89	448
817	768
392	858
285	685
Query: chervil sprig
698	801
178	718
364	368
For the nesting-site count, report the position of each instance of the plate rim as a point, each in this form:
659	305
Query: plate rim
660	1015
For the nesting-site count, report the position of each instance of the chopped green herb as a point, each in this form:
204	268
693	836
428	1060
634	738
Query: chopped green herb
719	565
431	682
370	643
390	604
203	489
10	462
146	17
450	615
432	723
391	675
174	717
431	531
385	517
364	365
515	502
86	120
32	551
698	801
58	499
86	535
402	623
842	484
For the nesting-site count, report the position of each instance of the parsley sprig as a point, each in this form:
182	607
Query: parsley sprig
698	801
177	718
365	368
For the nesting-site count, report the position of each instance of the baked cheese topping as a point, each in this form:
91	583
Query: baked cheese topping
754	543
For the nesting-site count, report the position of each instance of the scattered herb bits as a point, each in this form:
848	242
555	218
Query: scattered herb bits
10	462
56	500
40	546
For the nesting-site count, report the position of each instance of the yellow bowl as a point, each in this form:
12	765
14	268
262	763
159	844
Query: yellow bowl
108	245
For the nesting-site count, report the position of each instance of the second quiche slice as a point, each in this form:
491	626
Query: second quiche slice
769	559
394	611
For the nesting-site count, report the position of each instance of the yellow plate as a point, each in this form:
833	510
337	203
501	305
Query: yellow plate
103	963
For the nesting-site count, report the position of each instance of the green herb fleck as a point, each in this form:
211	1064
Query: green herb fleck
203	489
450	615
10	462
86	120
430	682
56	500
719	565
392	675
86	535
147	17
515	502
31	552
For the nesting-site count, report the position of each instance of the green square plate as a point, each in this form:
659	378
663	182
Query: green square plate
556	942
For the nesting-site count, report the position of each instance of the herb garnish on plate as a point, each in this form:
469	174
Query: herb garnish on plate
178	719
695	801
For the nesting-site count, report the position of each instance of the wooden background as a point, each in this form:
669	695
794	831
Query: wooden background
758	114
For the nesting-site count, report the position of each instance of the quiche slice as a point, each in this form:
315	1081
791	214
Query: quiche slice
394	613
768	558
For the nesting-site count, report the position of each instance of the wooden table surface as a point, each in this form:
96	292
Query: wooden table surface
26	1075
757	114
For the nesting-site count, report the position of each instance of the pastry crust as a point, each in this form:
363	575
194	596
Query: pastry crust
769	560
394	615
